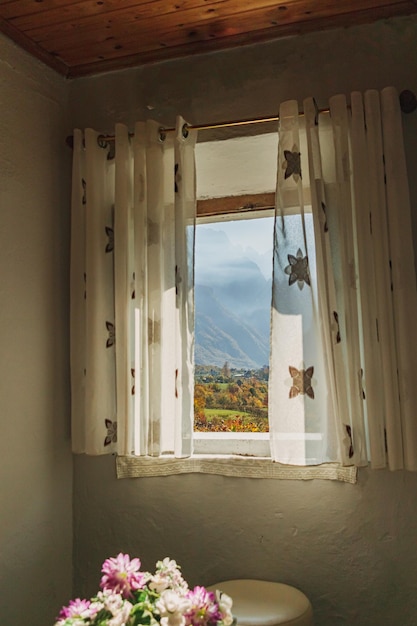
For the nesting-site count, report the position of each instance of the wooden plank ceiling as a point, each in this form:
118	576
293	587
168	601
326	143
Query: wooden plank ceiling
80	37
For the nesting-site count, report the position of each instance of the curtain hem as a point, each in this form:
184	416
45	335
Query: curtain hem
136	467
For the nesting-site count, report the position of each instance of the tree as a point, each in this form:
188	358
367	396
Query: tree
226	370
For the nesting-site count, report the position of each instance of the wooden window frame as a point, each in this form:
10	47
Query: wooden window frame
235	204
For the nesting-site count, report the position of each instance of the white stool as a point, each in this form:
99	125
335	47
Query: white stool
262	603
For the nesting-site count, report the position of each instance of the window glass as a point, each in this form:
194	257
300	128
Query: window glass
233	277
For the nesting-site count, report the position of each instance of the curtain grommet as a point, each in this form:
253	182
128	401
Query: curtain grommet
408	101
185	131
102	141
162	134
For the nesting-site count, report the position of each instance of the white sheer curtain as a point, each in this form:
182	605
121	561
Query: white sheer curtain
132	259
344	289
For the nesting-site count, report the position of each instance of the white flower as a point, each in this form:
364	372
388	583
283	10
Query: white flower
159	583
225	603
103	595
172	608
114	603
167	564
95	607
228	619
172	602
175	619
121	617
169	570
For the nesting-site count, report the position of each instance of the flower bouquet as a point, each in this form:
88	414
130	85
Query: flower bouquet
131	597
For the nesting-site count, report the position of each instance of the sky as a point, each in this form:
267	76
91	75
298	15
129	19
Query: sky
247	235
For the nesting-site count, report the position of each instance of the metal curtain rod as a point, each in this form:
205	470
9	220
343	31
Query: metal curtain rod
214	125
163	130
408	104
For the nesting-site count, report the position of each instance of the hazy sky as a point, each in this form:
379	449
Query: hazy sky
255	233
245	236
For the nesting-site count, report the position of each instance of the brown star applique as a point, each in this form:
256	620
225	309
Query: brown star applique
301	382
292	164
111	436
349	440
298	269
111	339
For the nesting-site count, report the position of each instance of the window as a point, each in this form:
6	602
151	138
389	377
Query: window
132	273
233	278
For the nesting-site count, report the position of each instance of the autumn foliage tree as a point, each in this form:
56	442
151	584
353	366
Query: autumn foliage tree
242	404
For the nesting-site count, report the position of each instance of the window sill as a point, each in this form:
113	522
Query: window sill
229	465
221	444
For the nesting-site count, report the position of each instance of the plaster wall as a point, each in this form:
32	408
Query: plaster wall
352	549
36	464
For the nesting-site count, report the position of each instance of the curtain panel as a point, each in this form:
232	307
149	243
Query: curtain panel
344	287
132	319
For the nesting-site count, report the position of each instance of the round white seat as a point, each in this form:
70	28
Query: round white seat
262	603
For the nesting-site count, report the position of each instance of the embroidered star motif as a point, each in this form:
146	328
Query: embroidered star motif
336	319
177	176
348	440
84	186
326	228
110	235
292	164
111	339
132	371
133	290
361	384
111	436
301	382
298	269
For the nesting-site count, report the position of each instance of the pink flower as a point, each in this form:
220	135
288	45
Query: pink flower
77	608
205	610
122	575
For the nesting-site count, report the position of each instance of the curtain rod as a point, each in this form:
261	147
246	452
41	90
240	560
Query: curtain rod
408	104
163	129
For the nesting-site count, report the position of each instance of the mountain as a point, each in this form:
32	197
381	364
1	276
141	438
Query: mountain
232	303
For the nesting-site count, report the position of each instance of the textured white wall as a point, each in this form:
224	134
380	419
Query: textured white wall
36	465
352	549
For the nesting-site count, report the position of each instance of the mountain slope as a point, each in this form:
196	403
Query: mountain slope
223	336
232	300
